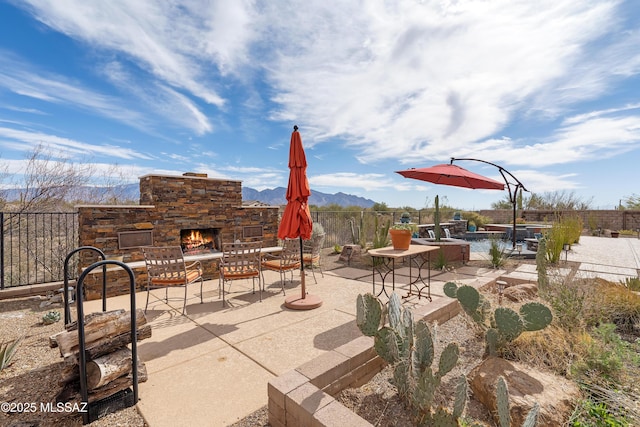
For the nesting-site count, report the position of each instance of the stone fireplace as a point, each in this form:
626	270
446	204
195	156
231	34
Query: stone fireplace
192	211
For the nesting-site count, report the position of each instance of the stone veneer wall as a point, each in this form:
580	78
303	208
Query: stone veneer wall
167	205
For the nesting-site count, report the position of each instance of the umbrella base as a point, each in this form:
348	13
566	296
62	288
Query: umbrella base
297	303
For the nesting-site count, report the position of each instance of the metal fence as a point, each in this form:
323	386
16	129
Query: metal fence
33	246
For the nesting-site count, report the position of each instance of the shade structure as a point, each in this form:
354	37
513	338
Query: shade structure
454	175
296	221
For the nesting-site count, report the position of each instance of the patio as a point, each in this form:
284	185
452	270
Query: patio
211	366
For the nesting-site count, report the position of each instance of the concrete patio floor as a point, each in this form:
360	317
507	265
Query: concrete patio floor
211	366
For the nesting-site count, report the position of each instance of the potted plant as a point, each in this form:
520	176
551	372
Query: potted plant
471	226
405	218
401	235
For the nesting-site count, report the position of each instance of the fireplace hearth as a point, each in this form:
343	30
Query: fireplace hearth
200	241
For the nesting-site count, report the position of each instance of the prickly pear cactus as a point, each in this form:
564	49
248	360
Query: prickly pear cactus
409	347
502	403
504	324
470	299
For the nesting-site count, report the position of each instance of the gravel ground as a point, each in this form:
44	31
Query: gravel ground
31	381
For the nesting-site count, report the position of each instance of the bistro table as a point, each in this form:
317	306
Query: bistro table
384	262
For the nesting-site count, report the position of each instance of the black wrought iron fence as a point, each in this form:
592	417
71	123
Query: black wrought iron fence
33	246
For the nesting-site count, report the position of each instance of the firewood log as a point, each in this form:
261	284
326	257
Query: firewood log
100	327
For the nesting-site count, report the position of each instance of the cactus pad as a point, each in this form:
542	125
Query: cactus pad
461	396
535	316
469	298
386	345
508	323
423	347
450	289
502	402
369	314
448	359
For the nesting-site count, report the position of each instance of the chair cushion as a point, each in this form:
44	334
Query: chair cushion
275	265
177	281
310	258
239	272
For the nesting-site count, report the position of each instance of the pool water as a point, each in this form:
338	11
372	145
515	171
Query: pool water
484	245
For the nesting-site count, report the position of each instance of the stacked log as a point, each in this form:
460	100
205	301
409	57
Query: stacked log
108	357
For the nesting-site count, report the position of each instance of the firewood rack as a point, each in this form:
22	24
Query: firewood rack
123	398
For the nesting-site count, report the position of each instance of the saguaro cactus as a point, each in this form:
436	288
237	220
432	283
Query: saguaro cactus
436	219
408	346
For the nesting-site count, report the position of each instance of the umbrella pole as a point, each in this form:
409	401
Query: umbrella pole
302	276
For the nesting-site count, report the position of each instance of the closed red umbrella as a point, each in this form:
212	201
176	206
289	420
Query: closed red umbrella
447	174
296	221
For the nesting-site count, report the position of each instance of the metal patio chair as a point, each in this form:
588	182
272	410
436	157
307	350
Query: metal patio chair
287	261
240	261
311	252
166	268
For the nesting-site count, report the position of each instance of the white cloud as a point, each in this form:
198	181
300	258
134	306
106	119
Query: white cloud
63	147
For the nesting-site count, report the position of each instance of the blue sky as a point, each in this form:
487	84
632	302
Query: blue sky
549	90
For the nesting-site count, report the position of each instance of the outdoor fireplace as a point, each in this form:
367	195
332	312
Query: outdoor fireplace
200	240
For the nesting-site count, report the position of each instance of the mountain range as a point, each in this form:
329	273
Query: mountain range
277	196
274	197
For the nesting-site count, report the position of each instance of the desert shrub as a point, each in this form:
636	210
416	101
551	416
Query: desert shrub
591	413
631	283
496	253
567	298
566	229
604	357
612	303
553	347
440	263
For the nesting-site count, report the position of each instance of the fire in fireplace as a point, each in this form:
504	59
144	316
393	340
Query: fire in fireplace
196	241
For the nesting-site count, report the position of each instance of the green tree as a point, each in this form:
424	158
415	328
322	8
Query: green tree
380	207
632	201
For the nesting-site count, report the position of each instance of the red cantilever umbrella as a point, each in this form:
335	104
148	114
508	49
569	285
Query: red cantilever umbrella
450	174
447	174
296	220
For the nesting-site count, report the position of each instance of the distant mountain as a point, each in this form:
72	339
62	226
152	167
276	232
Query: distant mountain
273	197
277	196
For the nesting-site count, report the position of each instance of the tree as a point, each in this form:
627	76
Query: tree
380	207
50	184
632	201
555	201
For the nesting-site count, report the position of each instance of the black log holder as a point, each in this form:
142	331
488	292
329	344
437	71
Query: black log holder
123	398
